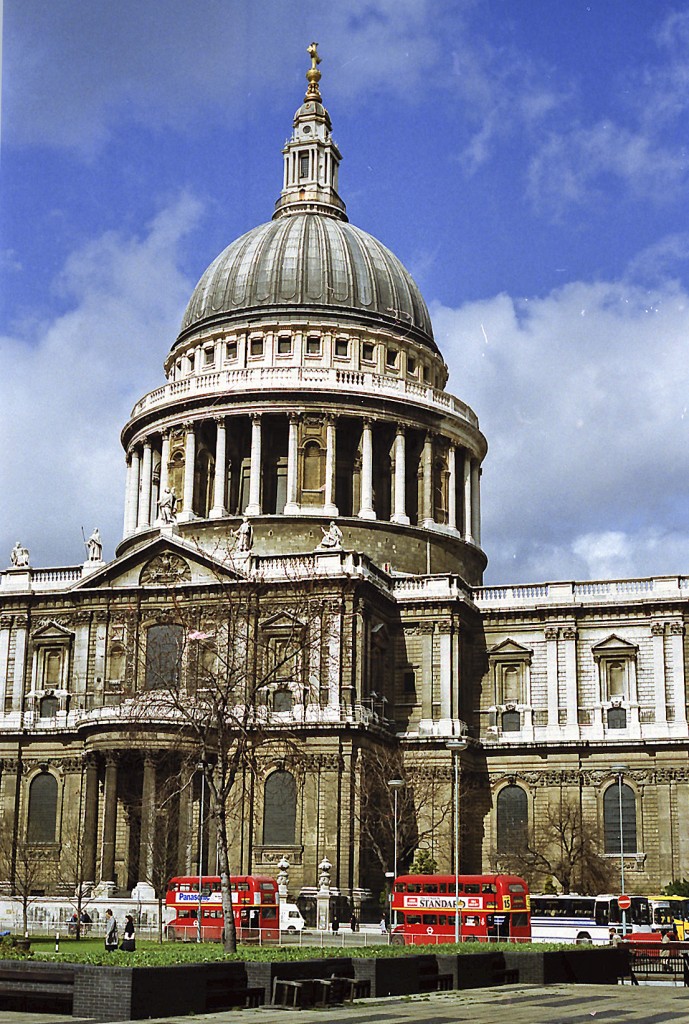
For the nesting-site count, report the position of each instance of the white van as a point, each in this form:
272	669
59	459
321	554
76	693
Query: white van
290	918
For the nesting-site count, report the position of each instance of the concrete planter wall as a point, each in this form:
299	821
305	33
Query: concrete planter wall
135	993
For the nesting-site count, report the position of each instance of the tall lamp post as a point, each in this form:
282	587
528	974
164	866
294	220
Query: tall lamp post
456	746
395	785
620	769
200	767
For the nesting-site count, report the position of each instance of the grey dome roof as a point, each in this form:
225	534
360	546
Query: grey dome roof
310	261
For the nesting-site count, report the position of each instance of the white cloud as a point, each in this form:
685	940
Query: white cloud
582	395
70	386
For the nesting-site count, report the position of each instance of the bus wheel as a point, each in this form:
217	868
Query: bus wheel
171	934
397	940
584	939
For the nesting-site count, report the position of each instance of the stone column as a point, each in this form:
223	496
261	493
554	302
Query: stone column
291	505
569	635
452	487
658	645
144	516
20	624
551	634
107	870
366	510
476	501
88	873
468	535
677	649
187	511
5	627
148	827
254	506
400	498
219	509
427	518
164	461
184	865
133	476
329	506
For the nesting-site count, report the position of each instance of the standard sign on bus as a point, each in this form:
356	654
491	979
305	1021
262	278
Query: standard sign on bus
442	902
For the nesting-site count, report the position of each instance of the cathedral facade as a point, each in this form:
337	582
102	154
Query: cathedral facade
302	460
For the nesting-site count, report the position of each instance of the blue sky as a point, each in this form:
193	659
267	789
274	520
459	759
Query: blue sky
527	160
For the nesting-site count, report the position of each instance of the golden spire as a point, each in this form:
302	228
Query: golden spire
313	75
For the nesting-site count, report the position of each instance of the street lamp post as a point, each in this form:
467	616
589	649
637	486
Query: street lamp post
456	746
395	785
620	769
203	796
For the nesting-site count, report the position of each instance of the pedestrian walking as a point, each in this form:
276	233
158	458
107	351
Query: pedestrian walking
111	937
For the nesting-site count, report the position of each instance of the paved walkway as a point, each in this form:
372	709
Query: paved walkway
513	1004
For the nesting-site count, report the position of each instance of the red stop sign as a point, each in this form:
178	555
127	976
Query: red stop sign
624	902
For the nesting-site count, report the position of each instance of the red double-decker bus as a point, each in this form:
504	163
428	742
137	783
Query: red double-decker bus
492	908
254	901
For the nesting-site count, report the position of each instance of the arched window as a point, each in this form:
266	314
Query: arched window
313	483
163	656
48	707
42	809
513	819
279	809
613	827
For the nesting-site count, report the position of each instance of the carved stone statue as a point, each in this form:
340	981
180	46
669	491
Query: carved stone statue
19	556
167	506
332	537
95	546
244	534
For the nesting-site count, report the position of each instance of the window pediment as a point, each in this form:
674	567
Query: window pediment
52	632
615	647
510	650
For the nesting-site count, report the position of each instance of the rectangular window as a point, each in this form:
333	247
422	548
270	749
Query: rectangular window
303	165
426	375
391	357
411	365
192	362
409	681
367	352
341	347
313	345
231	349
256	347
208	356
284	345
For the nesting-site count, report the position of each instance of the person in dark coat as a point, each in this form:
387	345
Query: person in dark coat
128	941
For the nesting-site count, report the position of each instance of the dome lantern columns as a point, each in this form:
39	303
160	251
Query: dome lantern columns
297	463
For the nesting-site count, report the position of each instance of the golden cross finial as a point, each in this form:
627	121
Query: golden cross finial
312	51
313	75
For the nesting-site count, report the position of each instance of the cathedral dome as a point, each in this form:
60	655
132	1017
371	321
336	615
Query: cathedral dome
308	259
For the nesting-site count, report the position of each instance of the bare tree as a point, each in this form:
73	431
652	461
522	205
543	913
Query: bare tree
232	661
423	804
562	848
24	863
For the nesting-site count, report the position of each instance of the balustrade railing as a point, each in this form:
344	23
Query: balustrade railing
304	377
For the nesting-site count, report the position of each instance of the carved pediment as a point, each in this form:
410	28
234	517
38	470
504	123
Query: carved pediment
49	631
165	569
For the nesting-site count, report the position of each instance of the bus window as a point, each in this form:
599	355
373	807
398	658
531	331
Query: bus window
400	887
472	887
488	887
514	887
518	921
430	919
413	887
430	888
413	918
443	887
